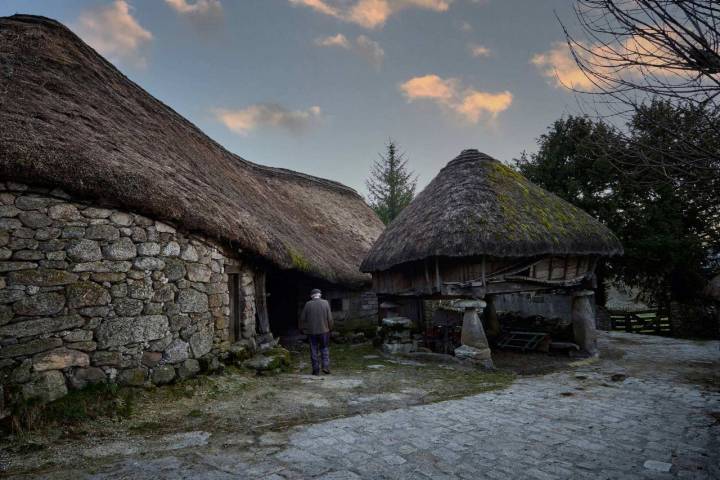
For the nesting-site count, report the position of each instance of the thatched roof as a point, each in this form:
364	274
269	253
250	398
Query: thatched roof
69	119
479	206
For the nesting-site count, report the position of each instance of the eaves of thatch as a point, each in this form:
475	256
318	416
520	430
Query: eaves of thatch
478	206
69	119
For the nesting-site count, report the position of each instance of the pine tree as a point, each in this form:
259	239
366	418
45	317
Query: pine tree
391	185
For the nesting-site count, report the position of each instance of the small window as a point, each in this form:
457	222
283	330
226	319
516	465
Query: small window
336	304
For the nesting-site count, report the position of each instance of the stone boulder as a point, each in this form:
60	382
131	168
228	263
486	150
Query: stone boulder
176	352
163	374
122	249
84	250
48	303
45	387
201	342
192	301
60	358
123	331
41	325
189	368
87	294
272	360
82	377
132	377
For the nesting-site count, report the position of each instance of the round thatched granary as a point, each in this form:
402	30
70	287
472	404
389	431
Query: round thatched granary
480	230
135	249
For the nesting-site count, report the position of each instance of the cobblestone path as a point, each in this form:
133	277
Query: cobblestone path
599	421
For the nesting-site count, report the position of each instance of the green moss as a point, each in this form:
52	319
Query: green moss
298	261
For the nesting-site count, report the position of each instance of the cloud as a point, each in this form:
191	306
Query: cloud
363	46
559	65
479	50
369	13
114	32
471	104
466	27
338	40
199	7
272	115
371	50
206	15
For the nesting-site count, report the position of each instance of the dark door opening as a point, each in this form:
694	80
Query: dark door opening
283	302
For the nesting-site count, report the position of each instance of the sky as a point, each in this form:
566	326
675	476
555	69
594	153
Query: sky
319	86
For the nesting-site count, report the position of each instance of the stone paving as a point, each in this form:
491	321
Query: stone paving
575	424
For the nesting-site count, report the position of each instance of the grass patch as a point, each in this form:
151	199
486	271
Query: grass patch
93	401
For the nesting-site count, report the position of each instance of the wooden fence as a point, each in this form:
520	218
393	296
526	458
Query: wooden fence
652	322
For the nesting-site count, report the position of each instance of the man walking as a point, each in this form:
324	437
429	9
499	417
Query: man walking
316	322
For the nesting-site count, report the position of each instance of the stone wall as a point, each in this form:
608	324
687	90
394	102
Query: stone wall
359	309
92	294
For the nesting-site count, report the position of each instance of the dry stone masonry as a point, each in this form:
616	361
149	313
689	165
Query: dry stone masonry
92	294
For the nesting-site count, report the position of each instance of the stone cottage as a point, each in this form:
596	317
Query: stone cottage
133	248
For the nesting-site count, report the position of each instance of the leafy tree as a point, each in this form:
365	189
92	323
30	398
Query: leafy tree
391	185
670	229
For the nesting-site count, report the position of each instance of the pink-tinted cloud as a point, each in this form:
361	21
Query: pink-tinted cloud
245	120
369	13
114	32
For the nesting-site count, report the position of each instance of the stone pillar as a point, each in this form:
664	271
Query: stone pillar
583	321
491	319
475	346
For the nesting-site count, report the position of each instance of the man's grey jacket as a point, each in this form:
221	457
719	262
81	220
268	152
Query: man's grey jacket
316	317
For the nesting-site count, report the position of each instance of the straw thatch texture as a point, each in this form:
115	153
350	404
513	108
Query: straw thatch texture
71	120
479	206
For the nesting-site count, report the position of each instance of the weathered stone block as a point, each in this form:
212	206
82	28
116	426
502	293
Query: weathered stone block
151	359
10	295
103	266
101	311
176	352
45	386
30	348
192	301
6	314
121	219
189	254
148	249
34	219
171	249
22	373
174	269
166	293
29	255
64	211
111	277
9	211
5	253
87	294
133	377
73	232
44	234
10	224
104	358
29	202
164	228
198	273
128	307
13	266
140	290
123	249
119	290
102	232
48	303
163	374
123	331
82	377
60	358
41	325
92	212
148	263
84	250
189	368
78	336
153	308
201	342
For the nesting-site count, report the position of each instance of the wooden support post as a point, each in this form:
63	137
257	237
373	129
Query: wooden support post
491	318
261	303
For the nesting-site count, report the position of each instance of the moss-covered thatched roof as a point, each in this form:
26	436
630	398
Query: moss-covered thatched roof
479	206
69	119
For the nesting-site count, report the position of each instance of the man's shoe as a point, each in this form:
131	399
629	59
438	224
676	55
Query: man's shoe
316	372
326	371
